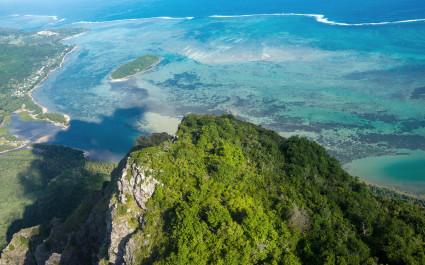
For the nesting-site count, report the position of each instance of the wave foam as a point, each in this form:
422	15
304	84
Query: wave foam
134	19
323	19
318	17
55	18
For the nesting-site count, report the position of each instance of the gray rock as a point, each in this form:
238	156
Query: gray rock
139	185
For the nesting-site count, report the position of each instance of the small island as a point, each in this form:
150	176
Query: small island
136	66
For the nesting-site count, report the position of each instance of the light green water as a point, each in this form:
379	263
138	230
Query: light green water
404	172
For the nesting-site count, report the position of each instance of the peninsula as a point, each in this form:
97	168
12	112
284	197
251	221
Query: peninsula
136	66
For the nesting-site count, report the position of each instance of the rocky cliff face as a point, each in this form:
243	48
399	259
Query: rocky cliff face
17	252
135	187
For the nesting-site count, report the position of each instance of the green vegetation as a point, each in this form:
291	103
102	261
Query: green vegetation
46	182
25	60
7	140
141	64
228	192
54	117
12	198
235	193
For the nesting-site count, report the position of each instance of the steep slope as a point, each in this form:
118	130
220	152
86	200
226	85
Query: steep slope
228	192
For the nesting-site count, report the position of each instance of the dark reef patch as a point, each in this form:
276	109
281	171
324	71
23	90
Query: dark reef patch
412	124
130	87
418	93
291	124
186	81
395	140
378	116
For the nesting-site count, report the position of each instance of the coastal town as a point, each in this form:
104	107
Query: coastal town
20	75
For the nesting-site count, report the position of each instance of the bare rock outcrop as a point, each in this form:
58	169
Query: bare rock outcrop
17	251
135	187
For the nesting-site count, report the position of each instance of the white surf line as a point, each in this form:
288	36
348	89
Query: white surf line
132	19
323	19
174	18
56	18
318	17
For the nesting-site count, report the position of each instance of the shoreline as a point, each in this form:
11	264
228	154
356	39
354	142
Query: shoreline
74	36
395	191
44	110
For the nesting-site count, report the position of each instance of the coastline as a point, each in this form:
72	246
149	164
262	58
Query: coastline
45	109
75	36
389	191
64	126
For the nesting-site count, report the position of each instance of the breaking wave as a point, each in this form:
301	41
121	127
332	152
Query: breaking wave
323	19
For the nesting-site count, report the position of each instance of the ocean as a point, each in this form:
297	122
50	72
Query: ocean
347	74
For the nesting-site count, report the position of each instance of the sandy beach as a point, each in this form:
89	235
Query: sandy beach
43	108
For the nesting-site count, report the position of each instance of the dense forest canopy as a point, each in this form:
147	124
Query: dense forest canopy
235	193
221	191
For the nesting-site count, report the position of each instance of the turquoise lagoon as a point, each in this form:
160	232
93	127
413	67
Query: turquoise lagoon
355	87
402	172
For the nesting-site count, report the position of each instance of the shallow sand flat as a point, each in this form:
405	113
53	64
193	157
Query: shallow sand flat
157	123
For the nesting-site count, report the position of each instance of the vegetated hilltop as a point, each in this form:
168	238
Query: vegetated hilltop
225	191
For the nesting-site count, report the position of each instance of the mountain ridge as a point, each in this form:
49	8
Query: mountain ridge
224	191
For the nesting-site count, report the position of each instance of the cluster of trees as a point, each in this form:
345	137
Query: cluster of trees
138	65
230	193
235	193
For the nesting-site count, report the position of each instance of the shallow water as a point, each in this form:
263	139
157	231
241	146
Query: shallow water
403	171
356	89
32	130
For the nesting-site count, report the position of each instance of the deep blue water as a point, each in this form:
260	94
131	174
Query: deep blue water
355	88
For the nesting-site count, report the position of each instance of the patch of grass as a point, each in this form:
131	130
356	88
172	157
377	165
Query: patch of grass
13	198
25	116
